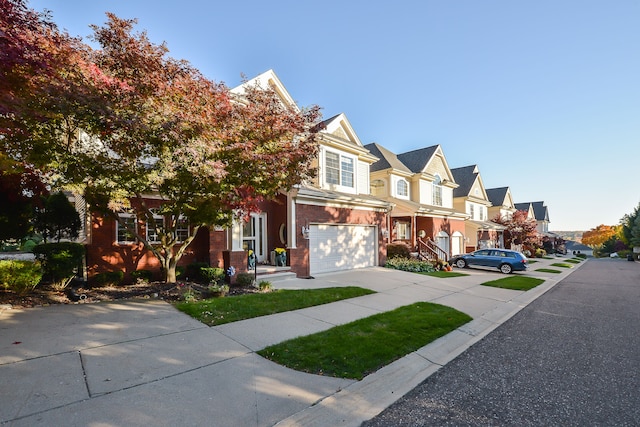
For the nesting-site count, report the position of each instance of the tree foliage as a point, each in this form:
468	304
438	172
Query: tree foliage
57	218
125	121
521	230
630	232
20	192
595	237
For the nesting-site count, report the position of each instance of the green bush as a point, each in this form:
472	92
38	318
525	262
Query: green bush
212	274
244	279
401	250
412	265
193	272
109	278
20	277
142	275
60	261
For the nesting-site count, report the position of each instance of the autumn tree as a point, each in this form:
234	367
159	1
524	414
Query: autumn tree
57	218
595	237
520	229
126	122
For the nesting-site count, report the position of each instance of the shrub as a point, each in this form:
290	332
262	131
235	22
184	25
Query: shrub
244	279
109	278
143	276
60	261
401	250
212	274
412	265
20	277
193	272
540	253
264	286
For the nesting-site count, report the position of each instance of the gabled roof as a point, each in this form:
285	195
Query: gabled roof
498	196
465	177
388	160
523	206
417	160
540	211
268	80
340	127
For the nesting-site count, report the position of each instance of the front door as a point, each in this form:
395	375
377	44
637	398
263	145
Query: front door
254	235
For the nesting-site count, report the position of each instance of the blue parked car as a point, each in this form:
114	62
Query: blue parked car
504	260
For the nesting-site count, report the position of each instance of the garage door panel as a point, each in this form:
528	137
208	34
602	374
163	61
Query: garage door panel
341	247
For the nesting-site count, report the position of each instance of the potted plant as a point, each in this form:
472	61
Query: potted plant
251	260
281	257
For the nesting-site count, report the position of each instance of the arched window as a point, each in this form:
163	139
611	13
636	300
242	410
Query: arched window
437	191
402	188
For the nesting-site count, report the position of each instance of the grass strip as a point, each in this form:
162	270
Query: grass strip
218	311
516	283
444	274
531	261
573	261
548	270
561	264
359	348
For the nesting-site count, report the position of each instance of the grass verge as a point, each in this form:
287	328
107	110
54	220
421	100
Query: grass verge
561	264
444	274
573	261
548	270
516	283
217	311
359	348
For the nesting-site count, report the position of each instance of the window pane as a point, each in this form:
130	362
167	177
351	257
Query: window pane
152	233
347	172
332	165
182	230
403	188
123	233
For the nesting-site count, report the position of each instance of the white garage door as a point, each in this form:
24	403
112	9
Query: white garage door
341	247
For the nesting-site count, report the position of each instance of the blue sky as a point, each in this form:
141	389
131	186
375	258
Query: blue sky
543	95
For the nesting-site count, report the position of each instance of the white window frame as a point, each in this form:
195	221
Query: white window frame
152	235
405	187
403	230
436	191
344	175
122	231
471	211
183	230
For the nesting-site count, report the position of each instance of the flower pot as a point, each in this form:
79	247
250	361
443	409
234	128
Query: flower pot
281	259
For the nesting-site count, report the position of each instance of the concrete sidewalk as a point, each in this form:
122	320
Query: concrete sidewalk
145	363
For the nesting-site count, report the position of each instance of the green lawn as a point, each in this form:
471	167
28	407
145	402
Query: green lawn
531	261
561	264
548	270
516	283
217	311
359	348
573	261
444	274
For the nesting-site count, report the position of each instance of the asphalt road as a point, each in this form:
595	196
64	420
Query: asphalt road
571	358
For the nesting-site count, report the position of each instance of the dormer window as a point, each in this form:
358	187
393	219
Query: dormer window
339	169
437	191
402	188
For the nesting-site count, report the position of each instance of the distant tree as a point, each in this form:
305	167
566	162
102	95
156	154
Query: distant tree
596	237
520	229
57	218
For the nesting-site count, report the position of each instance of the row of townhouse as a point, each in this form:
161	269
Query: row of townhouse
363	197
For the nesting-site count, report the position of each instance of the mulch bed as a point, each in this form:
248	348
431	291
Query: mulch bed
45	295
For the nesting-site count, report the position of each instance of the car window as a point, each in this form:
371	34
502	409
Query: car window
483	252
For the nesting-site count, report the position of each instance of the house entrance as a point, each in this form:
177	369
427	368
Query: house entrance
254	235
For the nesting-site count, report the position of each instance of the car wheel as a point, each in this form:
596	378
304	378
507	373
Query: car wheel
506	268
461	263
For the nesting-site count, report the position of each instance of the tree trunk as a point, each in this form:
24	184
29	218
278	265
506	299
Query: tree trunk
170	268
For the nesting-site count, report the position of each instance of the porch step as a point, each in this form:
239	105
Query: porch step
273	273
